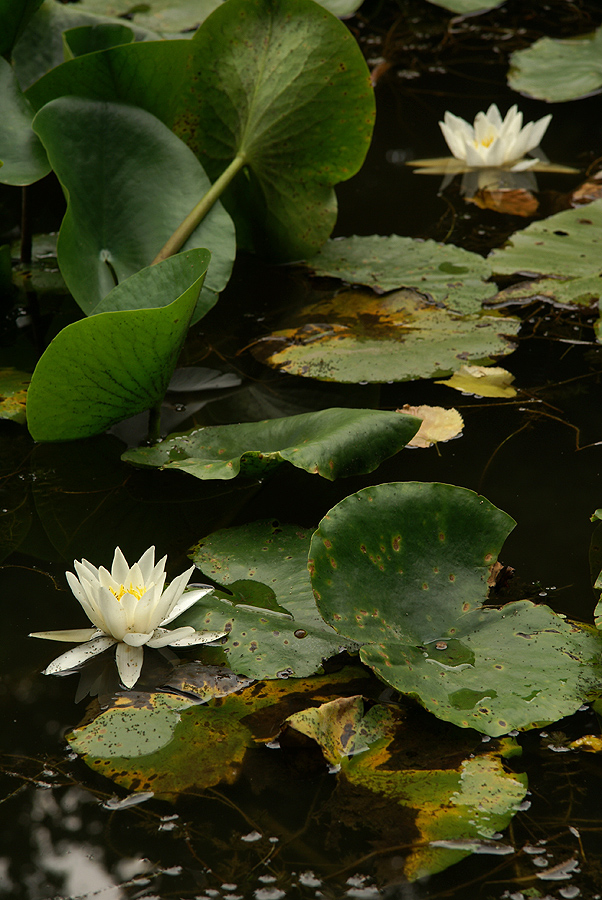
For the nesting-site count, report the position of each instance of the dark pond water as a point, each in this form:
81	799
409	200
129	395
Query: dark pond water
278	831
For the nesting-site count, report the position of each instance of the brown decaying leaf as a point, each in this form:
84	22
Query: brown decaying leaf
516	202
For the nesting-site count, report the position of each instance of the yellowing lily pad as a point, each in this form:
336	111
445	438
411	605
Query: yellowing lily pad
356	336
13	394
460	799
438	424
483	381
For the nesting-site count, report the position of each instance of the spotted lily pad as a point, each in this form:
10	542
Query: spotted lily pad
458	803
357	336
446	274
403	568
281	634
331	443
13	394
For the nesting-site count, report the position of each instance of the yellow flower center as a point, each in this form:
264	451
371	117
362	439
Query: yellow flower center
136	592
487	142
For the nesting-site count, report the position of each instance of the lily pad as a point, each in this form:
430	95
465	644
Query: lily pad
13	394
438	424
357	336
13	19
172	745
565	245
482	381
115	225
332	443
285	638
404	568
457	809
556	70
444	273
95	38
22	156
561	292
103	369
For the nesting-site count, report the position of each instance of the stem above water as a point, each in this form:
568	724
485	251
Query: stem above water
183	231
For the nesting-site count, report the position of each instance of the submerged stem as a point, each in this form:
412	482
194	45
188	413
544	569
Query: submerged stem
183	231
154	423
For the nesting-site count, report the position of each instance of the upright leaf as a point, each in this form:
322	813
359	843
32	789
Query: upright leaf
22	156
14	16
129	182
109	366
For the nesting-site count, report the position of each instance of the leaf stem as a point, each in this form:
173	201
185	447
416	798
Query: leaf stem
154	423
183	231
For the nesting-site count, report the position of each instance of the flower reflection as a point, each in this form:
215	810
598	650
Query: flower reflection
128	607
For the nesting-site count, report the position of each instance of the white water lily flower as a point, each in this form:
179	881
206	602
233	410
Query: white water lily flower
494	142
129	608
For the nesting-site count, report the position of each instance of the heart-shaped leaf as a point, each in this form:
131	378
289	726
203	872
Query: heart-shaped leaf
332	443
116	224
109	366
404	568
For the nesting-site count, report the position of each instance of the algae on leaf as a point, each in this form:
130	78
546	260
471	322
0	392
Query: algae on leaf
446	274
357	336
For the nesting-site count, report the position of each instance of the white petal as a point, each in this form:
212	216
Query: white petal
199	637
113	613
136	639
494	117
453	141
539	129
90	608
147	564
86	567
474	157
120	570
163	636
78	655
129	663
188	599
76	635
171	596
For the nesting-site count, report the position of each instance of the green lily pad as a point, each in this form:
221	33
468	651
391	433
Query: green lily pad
115	225
109	366
457	809
404	567
172	745
444	273
332	443
288	92
282	634
13	394
558	69
565	245
13	19
356	336
22	156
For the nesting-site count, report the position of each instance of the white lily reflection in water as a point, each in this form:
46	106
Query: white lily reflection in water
129	608
493	153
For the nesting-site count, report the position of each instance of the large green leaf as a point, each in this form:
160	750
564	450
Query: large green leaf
404	568
333	443
457	807
22	155
558	69
288	91
14	16
129	182
102	369
445	273
356	336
